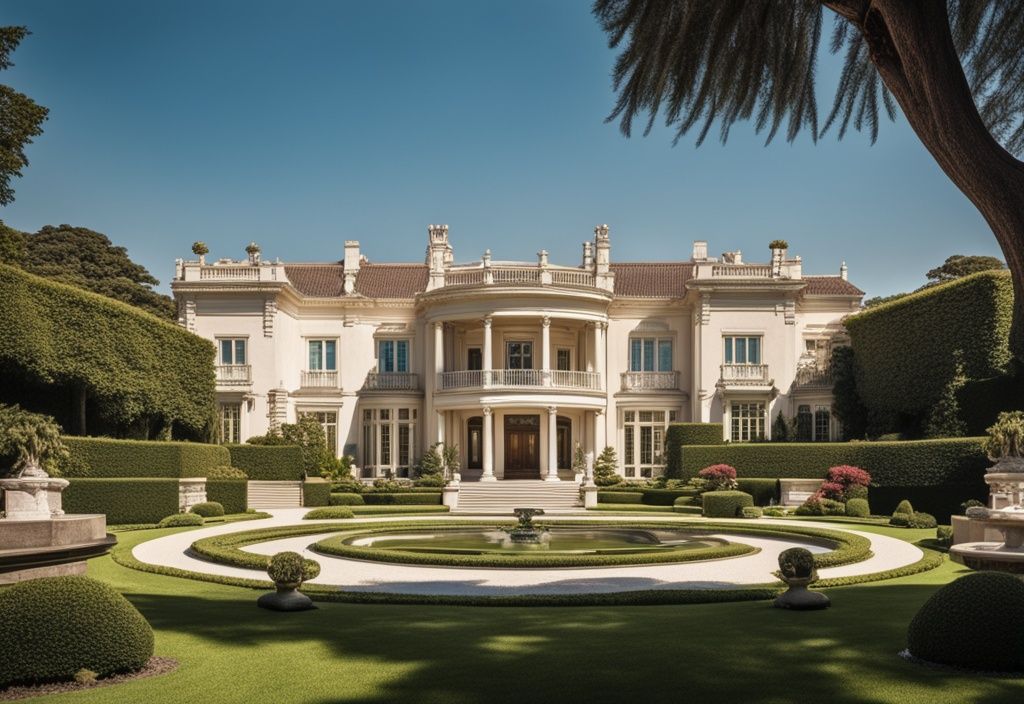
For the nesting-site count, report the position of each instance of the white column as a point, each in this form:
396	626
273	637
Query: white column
488	475
552	475
487	352
440	427
545	350
599	365
599	432
438	347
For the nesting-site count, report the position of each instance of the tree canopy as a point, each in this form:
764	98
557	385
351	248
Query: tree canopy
959	266
21	118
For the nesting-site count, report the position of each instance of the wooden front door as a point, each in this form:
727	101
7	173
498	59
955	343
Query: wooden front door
522	447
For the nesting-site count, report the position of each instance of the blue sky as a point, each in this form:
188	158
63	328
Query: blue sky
302	124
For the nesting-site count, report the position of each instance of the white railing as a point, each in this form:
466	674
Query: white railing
230	270
511	275
233	273
234	374
391	381
745	271
569	277
813	376
466	277
745	373
516	275
519	378
320	379
650	381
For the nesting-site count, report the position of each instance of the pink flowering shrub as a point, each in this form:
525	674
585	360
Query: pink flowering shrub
847	476
831	490
718	477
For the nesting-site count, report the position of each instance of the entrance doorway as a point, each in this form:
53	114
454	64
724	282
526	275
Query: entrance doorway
522	447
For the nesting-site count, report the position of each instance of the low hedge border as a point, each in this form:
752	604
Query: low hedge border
631	508
411	498
396	510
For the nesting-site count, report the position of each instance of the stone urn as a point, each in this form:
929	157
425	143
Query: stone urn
289	570
796	569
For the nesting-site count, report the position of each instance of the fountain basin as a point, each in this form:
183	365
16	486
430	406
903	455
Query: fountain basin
989	556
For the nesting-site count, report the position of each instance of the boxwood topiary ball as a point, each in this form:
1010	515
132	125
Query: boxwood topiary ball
55	626
976	622
208	509
290	568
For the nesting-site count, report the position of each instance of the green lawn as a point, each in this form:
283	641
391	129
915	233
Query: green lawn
230	651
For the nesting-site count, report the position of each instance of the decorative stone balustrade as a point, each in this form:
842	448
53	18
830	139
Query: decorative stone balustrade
520	378
234	374
650	381
319	379
391	381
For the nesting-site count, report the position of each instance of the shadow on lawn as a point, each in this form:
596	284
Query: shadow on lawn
740	652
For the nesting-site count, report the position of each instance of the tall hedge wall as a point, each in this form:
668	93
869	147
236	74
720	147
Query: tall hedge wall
135	369
904	350
231	493
123	500
106	457
268	462
680	434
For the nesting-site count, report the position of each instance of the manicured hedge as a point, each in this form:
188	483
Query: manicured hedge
135	369
268	462
56	626
404	498
123	500
316	492
106	457
231	493
662	497
725	504
763	490
904	350
681	434
620	497
341	498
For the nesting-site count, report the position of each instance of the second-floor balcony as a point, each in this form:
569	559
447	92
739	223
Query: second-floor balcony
812	377
520	379
391	381
745	375
650	381
234	374
320	379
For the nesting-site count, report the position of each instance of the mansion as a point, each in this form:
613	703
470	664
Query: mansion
517	363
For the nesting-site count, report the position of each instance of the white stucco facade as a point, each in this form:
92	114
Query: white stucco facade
517	362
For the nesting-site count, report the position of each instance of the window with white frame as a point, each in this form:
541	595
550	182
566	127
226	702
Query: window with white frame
742	349
822	424
813	425
322	355
519	355
643	447
329	422
389	437
650	354
746	421
232	350
231	423
392	356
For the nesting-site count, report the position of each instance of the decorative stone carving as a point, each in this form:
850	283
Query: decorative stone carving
789	311
705	308
191	491
27	498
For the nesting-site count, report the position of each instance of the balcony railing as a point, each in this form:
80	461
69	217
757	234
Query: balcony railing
391	381
519	378
650	381
508	274
745	374
813	377
320	379
234	374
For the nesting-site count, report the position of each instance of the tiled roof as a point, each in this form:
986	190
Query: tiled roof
372	281
652	279
830	286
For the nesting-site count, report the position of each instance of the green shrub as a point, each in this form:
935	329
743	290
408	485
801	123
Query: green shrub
605	467
268	462
944	535
329	512
620	497
774	512
725	504
856	491
135	369
976	622
345	499
904	507
123	500
316	492
56	626
920	519
764	491
232	494
692	510
818	506
181	520
858	508
900	520
208	509
751	512
106	457
679	435
406	499
291	568
662	497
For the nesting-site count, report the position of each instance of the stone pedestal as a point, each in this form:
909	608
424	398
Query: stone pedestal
450	496
191	491
32	498
589	496
50	547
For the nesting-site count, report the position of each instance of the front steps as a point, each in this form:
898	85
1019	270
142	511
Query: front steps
275	494
503	496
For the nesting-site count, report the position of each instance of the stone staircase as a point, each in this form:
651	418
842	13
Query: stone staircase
275	494
503	496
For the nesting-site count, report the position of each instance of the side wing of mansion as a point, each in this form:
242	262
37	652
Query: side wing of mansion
517	363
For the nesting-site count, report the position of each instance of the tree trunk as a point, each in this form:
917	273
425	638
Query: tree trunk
912	46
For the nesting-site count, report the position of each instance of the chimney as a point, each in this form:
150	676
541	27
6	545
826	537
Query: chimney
604	248
700	250
439	254
843	271
352	261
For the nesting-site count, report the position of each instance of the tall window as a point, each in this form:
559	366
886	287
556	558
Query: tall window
643	452
520	355
231	423
822	424
746	421
743	350
804	424
322	355
648	354
393	356
329	422
389	436
474	359
563	359
232	350
813	426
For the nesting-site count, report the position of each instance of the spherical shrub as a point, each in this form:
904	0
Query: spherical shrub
345	499
904	507
811	507
289	568
725	504
179	520
856	491
858	508
976	622
944	535
920	519
329	512
56	626
208	509
833	508
796	563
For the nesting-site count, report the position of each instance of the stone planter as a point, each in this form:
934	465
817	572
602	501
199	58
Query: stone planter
286	598
799	598
32	498
450	496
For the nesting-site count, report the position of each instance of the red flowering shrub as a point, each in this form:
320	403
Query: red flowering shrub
718	477
846	476
832	490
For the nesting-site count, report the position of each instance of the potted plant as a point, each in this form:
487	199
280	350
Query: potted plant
200	250
288	570
1005	443
796	569
31	440
579	463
